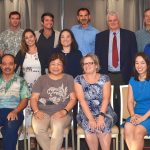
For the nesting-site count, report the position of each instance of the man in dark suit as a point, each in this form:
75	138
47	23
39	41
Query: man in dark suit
116	48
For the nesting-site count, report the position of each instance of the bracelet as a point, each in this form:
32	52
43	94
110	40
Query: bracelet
66	111
102	114
35	111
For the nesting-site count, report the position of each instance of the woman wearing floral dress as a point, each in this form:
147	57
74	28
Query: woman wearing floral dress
96	115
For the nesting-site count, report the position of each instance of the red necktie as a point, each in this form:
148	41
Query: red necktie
114	51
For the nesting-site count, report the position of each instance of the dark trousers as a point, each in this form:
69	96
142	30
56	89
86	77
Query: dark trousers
9	129
116	80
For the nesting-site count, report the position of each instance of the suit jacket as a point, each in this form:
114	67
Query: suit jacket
128	48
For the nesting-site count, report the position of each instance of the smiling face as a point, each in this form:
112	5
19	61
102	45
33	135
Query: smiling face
65	39
89	65
30	39
113	22
141	66
8	65
56	67
48	22
14	21
83	18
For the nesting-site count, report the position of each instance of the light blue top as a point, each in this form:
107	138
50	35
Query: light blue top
85	38
143	38
141	92
12	92
111	68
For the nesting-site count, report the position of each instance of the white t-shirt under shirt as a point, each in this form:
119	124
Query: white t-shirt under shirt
31	69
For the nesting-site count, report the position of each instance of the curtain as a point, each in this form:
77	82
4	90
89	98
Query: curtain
130	12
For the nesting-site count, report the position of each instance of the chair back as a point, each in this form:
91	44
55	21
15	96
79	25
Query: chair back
124	113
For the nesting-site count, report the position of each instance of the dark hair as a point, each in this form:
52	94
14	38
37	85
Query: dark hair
74	45
148	9
56	55
24	46
147	60
83	9
14	13
8	55
47	14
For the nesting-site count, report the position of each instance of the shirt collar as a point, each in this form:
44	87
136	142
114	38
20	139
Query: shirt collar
89	27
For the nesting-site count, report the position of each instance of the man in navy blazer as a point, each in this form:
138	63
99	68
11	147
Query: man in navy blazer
127	48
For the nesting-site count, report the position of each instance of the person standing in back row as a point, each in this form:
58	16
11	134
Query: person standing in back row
10	39
84	32
47	38
116	48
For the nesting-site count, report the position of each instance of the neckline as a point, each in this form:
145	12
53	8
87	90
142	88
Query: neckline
91	83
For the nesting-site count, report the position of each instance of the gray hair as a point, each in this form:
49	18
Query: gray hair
113	13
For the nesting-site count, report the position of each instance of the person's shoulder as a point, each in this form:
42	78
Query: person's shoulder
68	77
126	31
93	28
5	32
102	33
139	31
57	32
75	27
105	77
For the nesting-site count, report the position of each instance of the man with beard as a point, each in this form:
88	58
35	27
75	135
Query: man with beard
10	39
14	96
84	32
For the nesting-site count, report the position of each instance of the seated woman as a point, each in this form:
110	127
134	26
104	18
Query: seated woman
138	125
52	99
96	115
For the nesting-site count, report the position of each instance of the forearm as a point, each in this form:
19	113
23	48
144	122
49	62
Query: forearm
34	104
104	105
23	103
71	104
131	108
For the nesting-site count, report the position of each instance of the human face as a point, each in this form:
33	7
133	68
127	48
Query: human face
147	18
83	18
56	67
48	22
14	21
141	66
113	23
89	66
30	39
8	66
66	39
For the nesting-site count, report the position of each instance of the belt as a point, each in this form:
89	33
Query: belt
115	72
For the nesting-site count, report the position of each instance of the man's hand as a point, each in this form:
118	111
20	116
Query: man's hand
12	116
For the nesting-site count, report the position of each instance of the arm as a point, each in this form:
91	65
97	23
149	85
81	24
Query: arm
34	100
105	102
13	114
84	105
69	106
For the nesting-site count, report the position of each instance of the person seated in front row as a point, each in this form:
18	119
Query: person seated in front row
138	124
52	99
14	96
96	115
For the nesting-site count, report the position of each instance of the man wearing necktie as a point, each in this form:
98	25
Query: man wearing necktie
116	48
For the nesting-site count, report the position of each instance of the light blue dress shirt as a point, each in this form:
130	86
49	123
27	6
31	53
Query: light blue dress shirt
111	68
85	38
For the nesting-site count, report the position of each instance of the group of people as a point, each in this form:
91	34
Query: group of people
57	69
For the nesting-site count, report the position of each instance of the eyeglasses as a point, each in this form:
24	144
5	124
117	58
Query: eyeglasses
88	63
